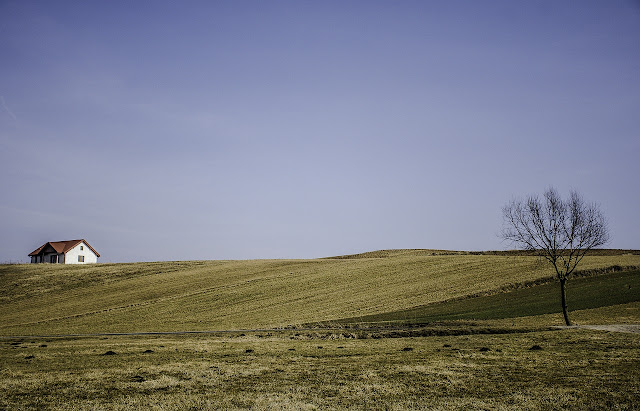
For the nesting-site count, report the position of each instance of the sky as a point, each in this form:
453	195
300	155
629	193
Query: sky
202	130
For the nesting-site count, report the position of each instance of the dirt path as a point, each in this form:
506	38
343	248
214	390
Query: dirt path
621	328
624	328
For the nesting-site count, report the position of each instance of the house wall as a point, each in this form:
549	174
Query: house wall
89	256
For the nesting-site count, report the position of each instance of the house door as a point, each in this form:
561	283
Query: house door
54	258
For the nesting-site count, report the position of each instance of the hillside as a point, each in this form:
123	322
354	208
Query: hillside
612	289
219	295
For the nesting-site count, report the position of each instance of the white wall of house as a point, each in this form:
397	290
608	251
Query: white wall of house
81	250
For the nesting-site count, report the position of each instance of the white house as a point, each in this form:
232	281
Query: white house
65	252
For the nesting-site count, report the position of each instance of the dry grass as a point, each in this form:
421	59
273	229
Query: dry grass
216	295
295	369
575	369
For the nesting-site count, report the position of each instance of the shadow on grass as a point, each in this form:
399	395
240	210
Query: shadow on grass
582	293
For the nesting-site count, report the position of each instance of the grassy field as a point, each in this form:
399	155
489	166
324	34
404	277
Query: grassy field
219	295
575	369
486	341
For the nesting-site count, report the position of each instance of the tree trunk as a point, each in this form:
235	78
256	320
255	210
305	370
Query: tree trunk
563	293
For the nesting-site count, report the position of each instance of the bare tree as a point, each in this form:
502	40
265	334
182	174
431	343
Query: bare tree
561	231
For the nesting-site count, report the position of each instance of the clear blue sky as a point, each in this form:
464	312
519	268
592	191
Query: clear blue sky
170	130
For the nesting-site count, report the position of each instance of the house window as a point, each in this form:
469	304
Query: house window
53	259
81	259
82	247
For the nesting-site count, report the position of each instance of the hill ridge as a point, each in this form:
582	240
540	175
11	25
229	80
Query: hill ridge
396	252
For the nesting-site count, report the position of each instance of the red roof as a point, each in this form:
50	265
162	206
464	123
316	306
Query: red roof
62	246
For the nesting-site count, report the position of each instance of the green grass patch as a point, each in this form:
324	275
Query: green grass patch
582	293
